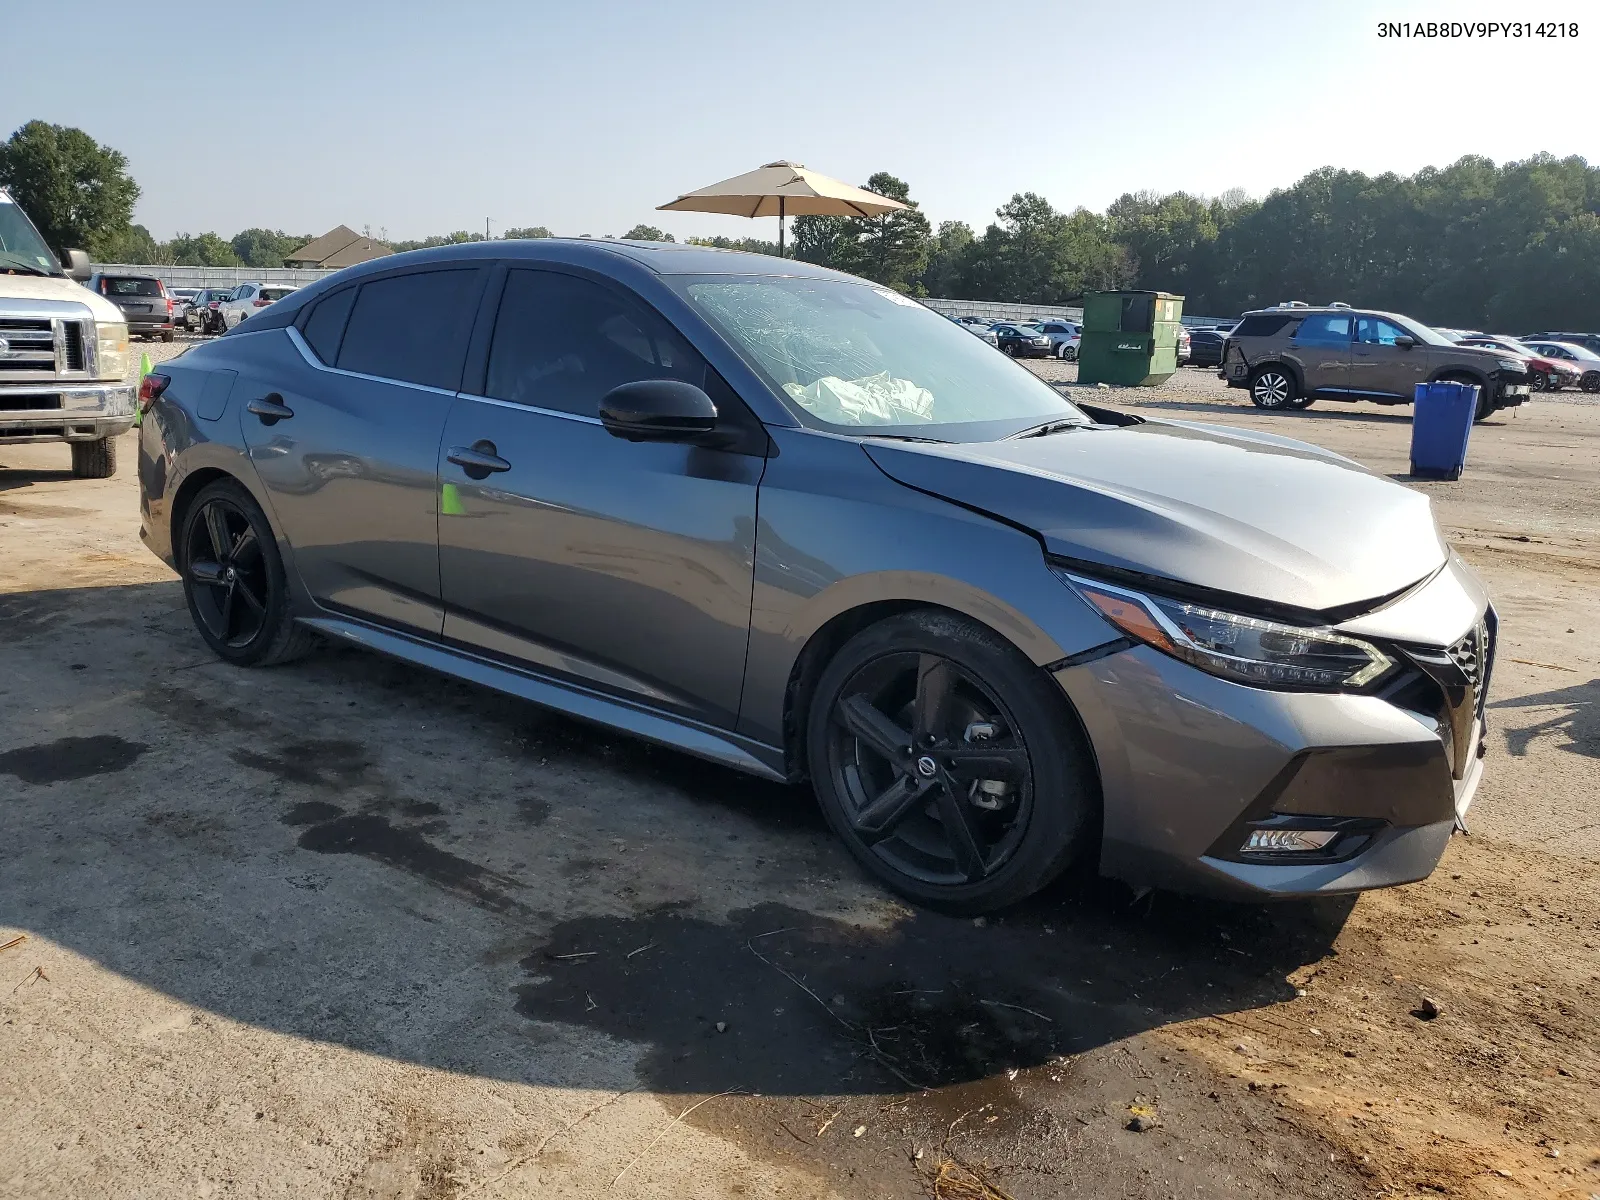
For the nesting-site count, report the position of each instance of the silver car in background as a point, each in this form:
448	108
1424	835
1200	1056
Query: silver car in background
795	523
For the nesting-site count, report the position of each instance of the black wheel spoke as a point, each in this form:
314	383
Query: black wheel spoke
954	815
247	593
208	574
882	736
217	531
226	619
935	682
978	761
246	550
880	818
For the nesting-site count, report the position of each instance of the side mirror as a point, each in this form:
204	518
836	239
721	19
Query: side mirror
1405	341
78	266
658	410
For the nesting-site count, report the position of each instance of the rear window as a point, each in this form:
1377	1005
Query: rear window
272	293
111	286
1262	324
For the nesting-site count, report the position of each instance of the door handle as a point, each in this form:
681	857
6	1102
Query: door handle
478	460
270	408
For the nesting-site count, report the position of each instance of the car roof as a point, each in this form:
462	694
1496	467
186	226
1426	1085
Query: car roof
1307	310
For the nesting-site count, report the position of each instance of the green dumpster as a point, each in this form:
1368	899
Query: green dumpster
1129	338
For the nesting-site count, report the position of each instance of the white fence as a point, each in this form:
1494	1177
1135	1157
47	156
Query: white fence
227	277
217	277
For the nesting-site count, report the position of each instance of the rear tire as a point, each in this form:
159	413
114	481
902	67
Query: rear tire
94	460
1591	382
234	580
1070	353
168	334
1541	382
1273	387
921	817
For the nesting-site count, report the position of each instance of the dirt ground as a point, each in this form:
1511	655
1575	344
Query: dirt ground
346	929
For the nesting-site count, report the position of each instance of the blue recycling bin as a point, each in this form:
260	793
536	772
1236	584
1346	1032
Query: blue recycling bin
1441	423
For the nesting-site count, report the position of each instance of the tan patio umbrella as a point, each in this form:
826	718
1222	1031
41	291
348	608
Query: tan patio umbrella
783	189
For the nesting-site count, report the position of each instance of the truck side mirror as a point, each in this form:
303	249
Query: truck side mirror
1405	341
78	265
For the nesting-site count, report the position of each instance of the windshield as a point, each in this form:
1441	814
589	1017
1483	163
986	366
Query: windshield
20	243
856	358
1423	333
130	286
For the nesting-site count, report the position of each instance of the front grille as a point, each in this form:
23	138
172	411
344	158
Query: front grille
1461	671
10	402
72	358
29	345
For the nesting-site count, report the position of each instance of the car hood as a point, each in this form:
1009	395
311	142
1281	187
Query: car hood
58	287
1238	512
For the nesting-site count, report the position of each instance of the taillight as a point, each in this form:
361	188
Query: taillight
212	303
169	306
150	388
259	303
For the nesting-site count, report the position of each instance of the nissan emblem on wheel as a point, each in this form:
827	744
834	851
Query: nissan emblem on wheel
799	525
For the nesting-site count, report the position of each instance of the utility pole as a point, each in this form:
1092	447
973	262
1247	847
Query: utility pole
486	236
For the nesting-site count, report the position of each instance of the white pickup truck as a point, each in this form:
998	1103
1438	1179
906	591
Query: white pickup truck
64	352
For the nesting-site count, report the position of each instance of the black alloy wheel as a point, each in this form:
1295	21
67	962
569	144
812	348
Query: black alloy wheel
1273	388
948	764
1590	382
234	579
223	562
1541	382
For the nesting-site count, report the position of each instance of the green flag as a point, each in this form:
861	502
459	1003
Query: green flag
144	369
450	501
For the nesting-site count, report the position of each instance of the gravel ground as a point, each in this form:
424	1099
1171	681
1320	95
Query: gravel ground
347	929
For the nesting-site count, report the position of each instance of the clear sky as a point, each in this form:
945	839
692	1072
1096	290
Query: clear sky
419	118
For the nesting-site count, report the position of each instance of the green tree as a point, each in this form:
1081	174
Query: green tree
202	250
77	192
526	232
891	249
948	258
749	245
134	245
265	247
646	233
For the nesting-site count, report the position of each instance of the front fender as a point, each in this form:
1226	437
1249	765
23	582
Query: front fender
835	534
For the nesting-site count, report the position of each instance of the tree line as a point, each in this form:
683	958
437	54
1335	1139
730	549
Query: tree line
1472	244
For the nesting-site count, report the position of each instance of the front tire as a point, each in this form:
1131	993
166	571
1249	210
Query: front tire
234	581
94	460
1541	382
1273	388
951	766
1070	353
1590	382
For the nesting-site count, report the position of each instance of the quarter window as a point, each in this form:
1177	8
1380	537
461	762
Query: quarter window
413	328
562	343
1324	329
324	328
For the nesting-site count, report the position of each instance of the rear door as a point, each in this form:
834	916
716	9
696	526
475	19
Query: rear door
1321	349
344	433
1380	366
623	566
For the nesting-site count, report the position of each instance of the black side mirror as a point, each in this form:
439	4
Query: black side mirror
658	410
1405	341
78	265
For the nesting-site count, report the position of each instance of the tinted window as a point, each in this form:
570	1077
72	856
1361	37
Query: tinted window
272	293
325	326
130	287
562	343
1261	324
1375	331
412	327
1324	329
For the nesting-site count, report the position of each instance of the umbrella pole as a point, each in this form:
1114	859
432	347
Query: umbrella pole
780	226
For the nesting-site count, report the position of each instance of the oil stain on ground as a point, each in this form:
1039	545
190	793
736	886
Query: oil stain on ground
371	835
330	763
928	1025
70	758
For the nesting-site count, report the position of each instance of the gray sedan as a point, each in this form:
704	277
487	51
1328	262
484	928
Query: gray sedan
799	525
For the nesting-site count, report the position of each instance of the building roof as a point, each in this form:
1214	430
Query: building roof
341	246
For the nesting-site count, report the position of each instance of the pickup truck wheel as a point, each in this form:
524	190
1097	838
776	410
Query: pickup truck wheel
94	460
1272	387
234	581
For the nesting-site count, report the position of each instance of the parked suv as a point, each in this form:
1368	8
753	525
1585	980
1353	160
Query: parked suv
1064	338
143	300
1293	355
248	299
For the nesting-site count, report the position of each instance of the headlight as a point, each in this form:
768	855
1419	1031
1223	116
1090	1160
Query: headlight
1243	649
111	349
1510	364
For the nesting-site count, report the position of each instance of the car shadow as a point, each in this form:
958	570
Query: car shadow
353	851
1576	718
